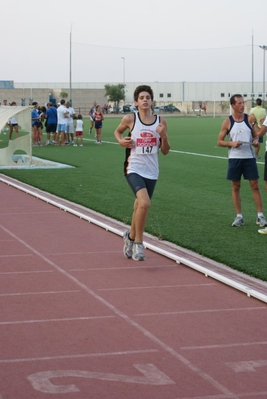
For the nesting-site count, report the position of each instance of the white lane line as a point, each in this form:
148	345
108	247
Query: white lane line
202	374
30	272
155	287
248	395
81	356
201	311
223	345
40	293
4	323
124	268
81	253
15	256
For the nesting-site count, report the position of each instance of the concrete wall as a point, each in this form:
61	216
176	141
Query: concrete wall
82	98
184	95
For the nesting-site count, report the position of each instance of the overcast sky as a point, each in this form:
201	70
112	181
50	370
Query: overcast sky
165	41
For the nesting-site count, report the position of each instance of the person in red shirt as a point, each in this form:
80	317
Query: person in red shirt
98	124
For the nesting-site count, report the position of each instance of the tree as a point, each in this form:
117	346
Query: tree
115	93
63	94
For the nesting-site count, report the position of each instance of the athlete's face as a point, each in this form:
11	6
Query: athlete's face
239	105
144	100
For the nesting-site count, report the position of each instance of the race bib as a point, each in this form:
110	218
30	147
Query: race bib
146	145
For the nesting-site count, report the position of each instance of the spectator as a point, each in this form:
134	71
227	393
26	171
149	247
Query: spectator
260	113
36	123
51	123
70	127
13	124
92	117
98	124
241	161
79	131
62	115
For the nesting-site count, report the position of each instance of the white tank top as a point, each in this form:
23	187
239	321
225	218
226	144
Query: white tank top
143	157
240	131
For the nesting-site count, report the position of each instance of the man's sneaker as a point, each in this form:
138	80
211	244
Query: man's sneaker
239	221
261	221
138	252
257	156
128	245
263	231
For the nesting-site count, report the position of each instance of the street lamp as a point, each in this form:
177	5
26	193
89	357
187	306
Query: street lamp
123	60
123	69
263	82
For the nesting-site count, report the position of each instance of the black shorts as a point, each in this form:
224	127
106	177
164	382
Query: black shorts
265	167
37	124
137	182
51	128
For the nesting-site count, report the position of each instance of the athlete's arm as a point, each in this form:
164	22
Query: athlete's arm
164	141
126	123
223	132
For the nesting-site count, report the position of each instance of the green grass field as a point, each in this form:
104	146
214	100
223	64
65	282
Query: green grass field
192	204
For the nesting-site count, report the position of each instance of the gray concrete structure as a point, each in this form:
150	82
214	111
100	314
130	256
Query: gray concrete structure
184	95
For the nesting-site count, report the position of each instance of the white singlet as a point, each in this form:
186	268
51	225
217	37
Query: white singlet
143	157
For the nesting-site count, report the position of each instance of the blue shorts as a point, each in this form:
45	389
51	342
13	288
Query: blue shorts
61	127
246	167
137	182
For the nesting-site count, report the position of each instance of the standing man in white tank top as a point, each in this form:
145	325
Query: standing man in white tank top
148	134
241	159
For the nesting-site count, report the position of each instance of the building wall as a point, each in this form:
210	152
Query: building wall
184	95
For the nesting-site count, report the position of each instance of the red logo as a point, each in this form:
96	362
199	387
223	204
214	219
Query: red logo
146	134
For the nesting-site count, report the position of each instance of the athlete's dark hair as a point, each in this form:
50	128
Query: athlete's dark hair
233	98
258	101
139	90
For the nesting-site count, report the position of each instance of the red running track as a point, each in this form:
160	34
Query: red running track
78	320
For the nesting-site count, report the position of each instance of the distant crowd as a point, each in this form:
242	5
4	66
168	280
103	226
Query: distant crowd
62	125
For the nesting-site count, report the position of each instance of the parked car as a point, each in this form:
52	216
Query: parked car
129	108
170	108
156	109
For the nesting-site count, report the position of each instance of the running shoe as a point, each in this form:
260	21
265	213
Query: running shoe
138	251
263	231
261	221
128	245
239	221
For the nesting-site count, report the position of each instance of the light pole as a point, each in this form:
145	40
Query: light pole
264	48
70	67
123	60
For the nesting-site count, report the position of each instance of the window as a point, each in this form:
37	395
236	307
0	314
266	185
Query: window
222	94
161	95
169	95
